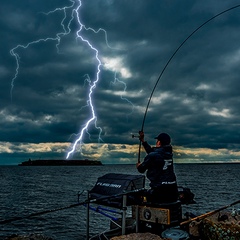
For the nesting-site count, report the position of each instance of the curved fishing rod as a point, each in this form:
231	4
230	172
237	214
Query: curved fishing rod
208	214
170	59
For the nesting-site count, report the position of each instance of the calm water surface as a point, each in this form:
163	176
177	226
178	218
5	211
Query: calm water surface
25	190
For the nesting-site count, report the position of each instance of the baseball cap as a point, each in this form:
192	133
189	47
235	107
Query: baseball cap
164	138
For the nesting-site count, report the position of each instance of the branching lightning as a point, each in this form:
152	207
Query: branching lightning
57	39
74	9
117	80
92	85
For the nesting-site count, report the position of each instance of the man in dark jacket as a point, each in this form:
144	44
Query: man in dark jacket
160	172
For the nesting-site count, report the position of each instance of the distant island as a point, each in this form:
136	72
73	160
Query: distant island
85	162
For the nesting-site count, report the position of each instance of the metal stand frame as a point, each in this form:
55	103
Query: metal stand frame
124	213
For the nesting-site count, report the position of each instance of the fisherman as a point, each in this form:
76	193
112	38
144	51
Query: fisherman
160	171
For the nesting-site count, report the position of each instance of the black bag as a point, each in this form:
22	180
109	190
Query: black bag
108	189
185	195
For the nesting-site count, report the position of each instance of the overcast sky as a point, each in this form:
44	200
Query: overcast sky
47	69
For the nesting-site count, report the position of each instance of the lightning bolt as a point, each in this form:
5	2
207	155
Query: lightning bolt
93	85
74	9
117	80
57	39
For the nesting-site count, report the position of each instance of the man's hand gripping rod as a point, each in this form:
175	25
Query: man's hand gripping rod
141	139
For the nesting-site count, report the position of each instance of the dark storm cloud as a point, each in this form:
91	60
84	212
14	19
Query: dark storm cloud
196	100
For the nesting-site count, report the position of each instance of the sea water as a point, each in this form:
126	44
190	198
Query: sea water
27	190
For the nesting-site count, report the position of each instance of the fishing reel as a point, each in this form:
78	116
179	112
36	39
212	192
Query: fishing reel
140	134
135	136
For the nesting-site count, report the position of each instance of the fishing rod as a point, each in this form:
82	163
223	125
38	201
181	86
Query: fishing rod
170	59
88	201
208	213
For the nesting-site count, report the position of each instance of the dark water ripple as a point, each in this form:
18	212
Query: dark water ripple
25	190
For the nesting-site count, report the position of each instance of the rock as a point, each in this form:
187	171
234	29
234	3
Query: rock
220	227
138	236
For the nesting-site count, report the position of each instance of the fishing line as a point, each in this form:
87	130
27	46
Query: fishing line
170	59
88	201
